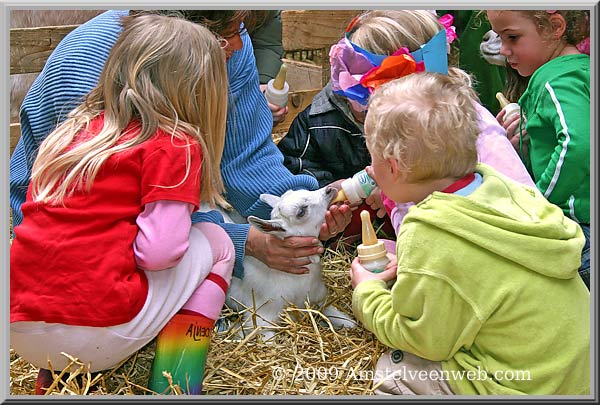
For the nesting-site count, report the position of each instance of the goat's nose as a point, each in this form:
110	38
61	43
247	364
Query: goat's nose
489	36
330	190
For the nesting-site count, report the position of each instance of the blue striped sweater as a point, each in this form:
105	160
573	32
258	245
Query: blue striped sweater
251	162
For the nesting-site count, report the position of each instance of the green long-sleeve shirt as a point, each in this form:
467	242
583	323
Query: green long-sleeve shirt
488	284
556	106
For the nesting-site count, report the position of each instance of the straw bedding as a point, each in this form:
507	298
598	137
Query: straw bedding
306	357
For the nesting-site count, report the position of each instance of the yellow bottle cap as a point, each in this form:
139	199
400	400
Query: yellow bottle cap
279	82
502	100
340	197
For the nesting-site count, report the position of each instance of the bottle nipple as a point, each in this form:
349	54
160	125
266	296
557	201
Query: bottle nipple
279	82
368	233
340	197
502	100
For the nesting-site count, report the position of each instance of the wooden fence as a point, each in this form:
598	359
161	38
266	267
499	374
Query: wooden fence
304	32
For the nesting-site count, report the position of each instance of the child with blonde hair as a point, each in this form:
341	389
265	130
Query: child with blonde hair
486	291
545	45
106	256
379	46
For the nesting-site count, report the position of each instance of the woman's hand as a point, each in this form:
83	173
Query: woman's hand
278	113
290	255
358	273
337	219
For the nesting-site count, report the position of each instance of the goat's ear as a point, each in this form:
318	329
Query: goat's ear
272	226
270	199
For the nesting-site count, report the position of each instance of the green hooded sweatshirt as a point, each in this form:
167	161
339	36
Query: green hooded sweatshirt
488	283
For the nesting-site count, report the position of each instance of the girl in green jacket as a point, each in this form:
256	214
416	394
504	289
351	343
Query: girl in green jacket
545	45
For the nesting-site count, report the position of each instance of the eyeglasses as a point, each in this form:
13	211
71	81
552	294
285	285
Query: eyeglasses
240	32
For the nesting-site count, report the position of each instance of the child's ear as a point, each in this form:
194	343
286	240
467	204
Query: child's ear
395	170
558	25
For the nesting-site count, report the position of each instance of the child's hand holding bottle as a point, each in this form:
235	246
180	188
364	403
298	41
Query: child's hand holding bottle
510	119
358	273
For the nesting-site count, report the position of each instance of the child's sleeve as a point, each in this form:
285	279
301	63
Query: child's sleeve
495	149
170	192
422	314
396	211
163	235
568	106
168	174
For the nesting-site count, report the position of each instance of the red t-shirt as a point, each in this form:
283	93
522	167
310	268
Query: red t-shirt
74	264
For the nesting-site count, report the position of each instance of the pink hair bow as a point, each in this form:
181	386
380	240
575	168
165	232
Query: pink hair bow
584	46
446	20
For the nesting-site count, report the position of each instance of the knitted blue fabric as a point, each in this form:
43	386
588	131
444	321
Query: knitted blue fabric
251	162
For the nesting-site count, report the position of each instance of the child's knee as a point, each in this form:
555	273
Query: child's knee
221	247
220	243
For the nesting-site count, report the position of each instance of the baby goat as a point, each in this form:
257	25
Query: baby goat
269	291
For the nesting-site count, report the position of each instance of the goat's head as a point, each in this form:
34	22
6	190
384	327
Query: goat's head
490	49
296	212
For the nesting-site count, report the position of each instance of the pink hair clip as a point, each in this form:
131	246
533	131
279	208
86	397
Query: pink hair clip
446	20
551	11
584	46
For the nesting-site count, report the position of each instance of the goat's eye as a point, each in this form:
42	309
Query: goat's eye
301	211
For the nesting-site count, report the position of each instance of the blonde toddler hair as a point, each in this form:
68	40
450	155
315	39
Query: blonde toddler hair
428	123
168	73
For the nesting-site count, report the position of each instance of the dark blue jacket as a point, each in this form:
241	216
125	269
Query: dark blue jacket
325	141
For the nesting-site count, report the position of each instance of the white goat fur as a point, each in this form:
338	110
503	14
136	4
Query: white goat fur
269	291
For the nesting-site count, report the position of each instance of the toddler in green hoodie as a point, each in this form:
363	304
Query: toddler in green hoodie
487	298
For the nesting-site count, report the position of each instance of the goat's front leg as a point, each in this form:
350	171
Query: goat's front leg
338	318
265	317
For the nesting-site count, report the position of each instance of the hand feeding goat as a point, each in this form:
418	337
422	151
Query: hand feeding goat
269	291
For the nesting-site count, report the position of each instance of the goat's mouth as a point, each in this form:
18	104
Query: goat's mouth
491	52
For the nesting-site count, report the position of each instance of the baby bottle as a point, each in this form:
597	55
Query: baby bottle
356	188
372	253
510	108
277	88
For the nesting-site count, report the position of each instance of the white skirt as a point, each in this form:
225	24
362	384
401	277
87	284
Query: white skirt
104	347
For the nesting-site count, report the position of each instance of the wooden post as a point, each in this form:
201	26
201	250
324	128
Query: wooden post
30	47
